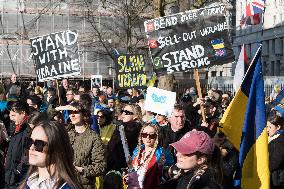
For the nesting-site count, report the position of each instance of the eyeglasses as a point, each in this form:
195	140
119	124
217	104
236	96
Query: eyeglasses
100	116
69	94
38	144
126	112
151	136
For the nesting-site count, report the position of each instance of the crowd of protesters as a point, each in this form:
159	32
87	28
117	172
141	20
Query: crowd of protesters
64	136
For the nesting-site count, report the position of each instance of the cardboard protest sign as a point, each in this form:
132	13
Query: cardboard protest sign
130	71
56	55
97	81
160	101
190	40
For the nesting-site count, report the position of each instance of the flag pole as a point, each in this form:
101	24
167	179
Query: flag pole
197	81
58	92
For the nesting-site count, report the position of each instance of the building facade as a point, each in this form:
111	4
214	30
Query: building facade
270	34
96	24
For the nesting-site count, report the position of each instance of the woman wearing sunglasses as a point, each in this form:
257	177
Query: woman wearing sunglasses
88	147
50	158
149	158
131	118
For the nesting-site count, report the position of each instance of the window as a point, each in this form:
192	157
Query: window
213	73
248	50
263	67
273	46
281	45
272	68
277	68
221	73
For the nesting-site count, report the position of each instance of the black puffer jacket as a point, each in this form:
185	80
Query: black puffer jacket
16	161
168	136
276	161
115	154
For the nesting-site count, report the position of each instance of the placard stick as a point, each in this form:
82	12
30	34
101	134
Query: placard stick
197	81
58	92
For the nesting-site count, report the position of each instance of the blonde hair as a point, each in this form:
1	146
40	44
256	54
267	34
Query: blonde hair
157	132
38	90
136	111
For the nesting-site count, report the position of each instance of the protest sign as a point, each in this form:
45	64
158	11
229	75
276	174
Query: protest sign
190	40
160	101
97	81
130	71
56	55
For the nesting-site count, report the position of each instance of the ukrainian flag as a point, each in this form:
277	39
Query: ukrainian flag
152	81
244	124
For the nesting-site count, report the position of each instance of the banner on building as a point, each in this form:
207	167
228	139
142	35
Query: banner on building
190	40
130	71
160	101
97	81
56	55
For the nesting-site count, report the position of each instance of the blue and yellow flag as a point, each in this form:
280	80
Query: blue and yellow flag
244	124
152	81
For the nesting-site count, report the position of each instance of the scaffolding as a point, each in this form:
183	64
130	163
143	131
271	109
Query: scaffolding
25	19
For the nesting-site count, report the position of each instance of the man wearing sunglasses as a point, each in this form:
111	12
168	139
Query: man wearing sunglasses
16	166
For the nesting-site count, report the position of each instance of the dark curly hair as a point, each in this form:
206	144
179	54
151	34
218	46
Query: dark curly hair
86	113
275	119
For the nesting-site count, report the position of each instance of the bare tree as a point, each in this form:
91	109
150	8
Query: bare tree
117	24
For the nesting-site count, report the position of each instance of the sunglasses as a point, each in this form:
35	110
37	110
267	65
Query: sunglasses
126	112
38	144
73	112
151	136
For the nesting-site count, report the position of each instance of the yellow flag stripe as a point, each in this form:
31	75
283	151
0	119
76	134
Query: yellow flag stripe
233	119
255	171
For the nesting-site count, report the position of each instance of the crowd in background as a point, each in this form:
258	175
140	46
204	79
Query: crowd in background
64	136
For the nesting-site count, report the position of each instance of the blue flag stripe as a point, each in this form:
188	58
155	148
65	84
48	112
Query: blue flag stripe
254	123
246	84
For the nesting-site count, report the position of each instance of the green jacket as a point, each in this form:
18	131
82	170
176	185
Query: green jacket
89	153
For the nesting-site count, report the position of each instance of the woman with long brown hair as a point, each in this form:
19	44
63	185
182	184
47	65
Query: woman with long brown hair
50	158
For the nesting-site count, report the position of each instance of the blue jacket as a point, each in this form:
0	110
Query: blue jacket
158	153
3	105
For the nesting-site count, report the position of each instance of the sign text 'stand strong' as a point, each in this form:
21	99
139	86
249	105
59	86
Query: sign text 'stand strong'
189	40
130	69
56	55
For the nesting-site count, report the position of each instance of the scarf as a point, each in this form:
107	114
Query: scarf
19	126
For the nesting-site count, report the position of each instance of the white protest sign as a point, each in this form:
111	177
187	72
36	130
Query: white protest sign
97	81
160	101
